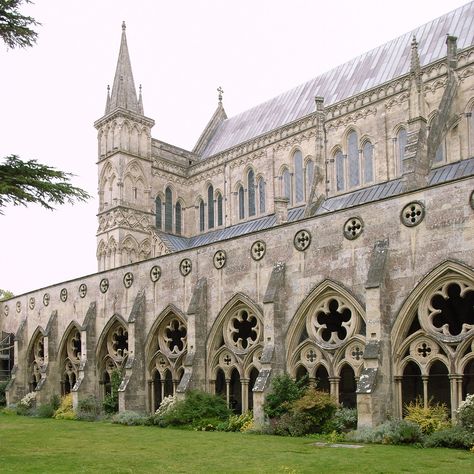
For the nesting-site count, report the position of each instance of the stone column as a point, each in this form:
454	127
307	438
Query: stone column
424	378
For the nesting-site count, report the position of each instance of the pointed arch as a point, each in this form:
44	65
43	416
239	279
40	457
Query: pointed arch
210	206
220	210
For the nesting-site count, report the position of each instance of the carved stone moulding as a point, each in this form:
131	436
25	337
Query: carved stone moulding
258	250
185	266
104	285
302	240
155	273
219	259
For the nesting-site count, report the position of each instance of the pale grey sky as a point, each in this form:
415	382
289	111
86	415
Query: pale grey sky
181	51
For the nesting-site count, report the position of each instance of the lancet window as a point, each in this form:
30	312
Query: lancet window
299	183
168	210
210	207
251	192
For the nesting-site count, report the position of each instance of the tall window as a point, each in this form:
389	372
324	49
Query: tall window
287	186
251	190
401	144
168	210
201	216
353	158
158	212
368	162
309	175
241	202
299	185
340	182
219	209
210	207
261	195
178	218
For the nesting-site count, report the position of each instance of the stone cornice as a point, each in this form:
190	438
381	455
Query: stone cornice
121	112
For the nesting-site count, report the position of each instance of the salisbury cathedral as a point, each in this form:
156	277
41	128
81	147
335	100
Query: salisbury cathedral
326	233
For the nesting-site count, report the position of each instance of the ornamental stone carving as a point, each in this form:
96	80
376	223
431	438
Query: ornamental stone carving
243	330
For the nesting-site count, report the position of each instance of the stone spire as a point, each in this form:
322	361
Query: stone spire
415	68
124	94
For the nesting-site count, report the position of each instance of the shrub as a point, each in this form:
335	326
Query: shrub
290	424
390	432
88	409
465	413
343	421
430	418
65	411
284	391
45	411
110	402
237	422
129	418
166	405
197	406
3	397
55	401
316	408
454	437
27	404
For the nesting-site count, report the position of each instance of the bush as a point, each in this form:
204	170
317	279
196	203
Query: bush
238	422
111	403
343	421
129	418
45	411
454	437
465	413
284	391
3	397
316	408
197	406
27	404
290	424
391	432
65	411
433	417
88	409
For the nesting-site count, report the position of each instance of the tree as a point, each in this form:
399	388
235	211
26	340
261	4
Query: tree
15	28
5	294
24	182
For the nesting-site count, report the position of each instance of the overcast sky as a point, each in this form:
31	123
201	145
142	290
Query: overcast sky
181	51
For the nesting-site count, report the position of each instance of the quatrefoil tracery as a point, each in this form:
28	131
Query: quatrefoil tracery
174	337
302	240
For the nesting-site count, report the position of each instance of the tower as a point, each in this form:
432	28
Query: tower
124	171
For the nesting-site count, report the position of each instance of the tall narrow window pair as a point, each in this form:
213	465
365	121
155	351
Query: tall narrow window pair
252	196
178	213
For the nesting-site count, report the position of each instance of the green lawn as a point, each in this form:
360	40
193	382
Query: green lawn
44	445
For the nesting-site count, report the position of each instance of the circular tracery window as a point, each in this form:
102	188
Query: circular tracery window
74	346
117	343
448	311
243	330
332	321
173	337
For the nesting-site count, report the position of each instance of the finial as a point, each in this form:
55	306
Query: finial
124	26
413	41
140	88
108	88
221	91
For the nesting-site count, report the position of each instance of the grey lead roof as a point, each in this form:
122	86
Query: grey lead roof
443	174
369	70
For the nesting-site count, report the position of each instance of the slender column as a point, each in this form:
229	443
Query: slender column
453	394
162	386
398	395
245	394
424	378
227	391
334	387
175	386
459	382
151	396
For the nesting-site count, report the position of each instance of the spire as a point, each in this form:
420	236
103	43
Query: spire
107	104
123	90
140	100
415	67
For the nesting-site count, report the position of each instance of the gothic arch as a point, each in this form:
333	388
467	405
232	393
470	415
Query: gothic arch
436	335
234	348
69	357
37	358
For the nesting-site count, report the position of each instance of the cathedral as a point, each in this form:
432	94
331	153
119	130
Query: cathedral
326	233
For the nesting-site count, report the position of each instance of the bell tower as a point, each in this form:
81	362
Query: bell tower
124	171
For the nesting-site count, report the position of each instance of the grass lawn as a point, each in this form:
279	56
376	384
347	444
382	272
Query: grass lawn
45	445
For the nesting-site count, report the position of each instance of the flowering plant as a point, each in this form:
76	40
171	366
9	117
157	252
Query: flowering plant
28	400
465	413
166	405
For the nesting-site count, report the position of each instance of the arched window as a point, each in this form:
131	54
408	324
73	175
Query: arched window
299	185
261	195
158	212
241	202
340	182
401	144
219	209
287	186
201	216
353	158
210	207
368	162
309	175
168	210
251	190
178	221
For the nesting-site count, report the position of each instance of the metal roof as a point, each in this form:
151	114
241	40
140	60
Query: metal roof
449	172
369	70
